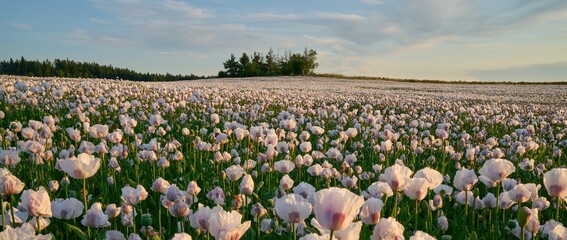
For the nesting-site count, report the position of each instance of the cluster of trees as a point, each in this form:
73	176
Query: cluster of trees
72	69
256	64
270	64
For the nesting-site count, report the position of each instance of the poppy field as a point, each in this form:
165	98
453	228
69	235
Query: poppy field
281	158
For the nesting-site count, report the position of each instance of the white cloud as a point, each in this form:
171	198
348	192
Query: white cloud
373	2
21	26
101	21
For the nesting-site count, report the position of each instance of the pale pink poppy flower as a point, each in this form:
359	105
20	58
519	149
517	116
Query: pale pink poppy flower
257	211
313	236
441	134
386	146
66	208
306	190
433	176
292	208
43	223
199	218
112	211
378	190
504	201
554	230
180	208
286	183
234	172
335	208
555	182
28	133
9	157
193	189
351	132
465	179
132	196
271	139
36	203
397	176
388	228
508	184
443	190
417	189
350	232
82	167
134	236
181	236
283	147
462	197
95	218
10	185
115	137
74	134
520	193
53	185
284	166
305	147
173	194
489	200
156	120
496	170
114	235
247	185
315	170
98	131
370	211
304	136
316	130
470	154
160	185
226	225
419	235
216	195
349	182
215	118
443	222
87	147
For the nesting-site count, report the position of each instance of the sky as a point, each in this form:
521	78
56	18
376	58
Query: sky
484	40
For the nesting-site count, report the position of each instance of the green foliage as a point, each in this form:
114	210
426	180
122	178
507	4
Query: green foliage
256	64
72	69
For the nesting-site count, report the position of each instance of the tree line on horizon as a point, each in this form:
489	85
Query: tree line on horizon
255	64
271	64
71	69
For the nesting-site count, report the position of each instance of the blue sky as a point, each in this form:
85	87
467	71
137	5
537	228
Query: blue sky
505	40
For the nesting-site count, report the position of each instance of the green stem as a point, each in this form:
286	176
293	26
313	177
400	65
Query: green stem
3	222
134	219
466	206
416	212
557	209
332	234
37	225
294	231
85	202
498	195
395	205
257	227
12	210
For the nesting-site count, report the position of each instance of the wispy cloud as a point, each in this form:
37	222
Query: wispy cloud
21	26
101	21
109	39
